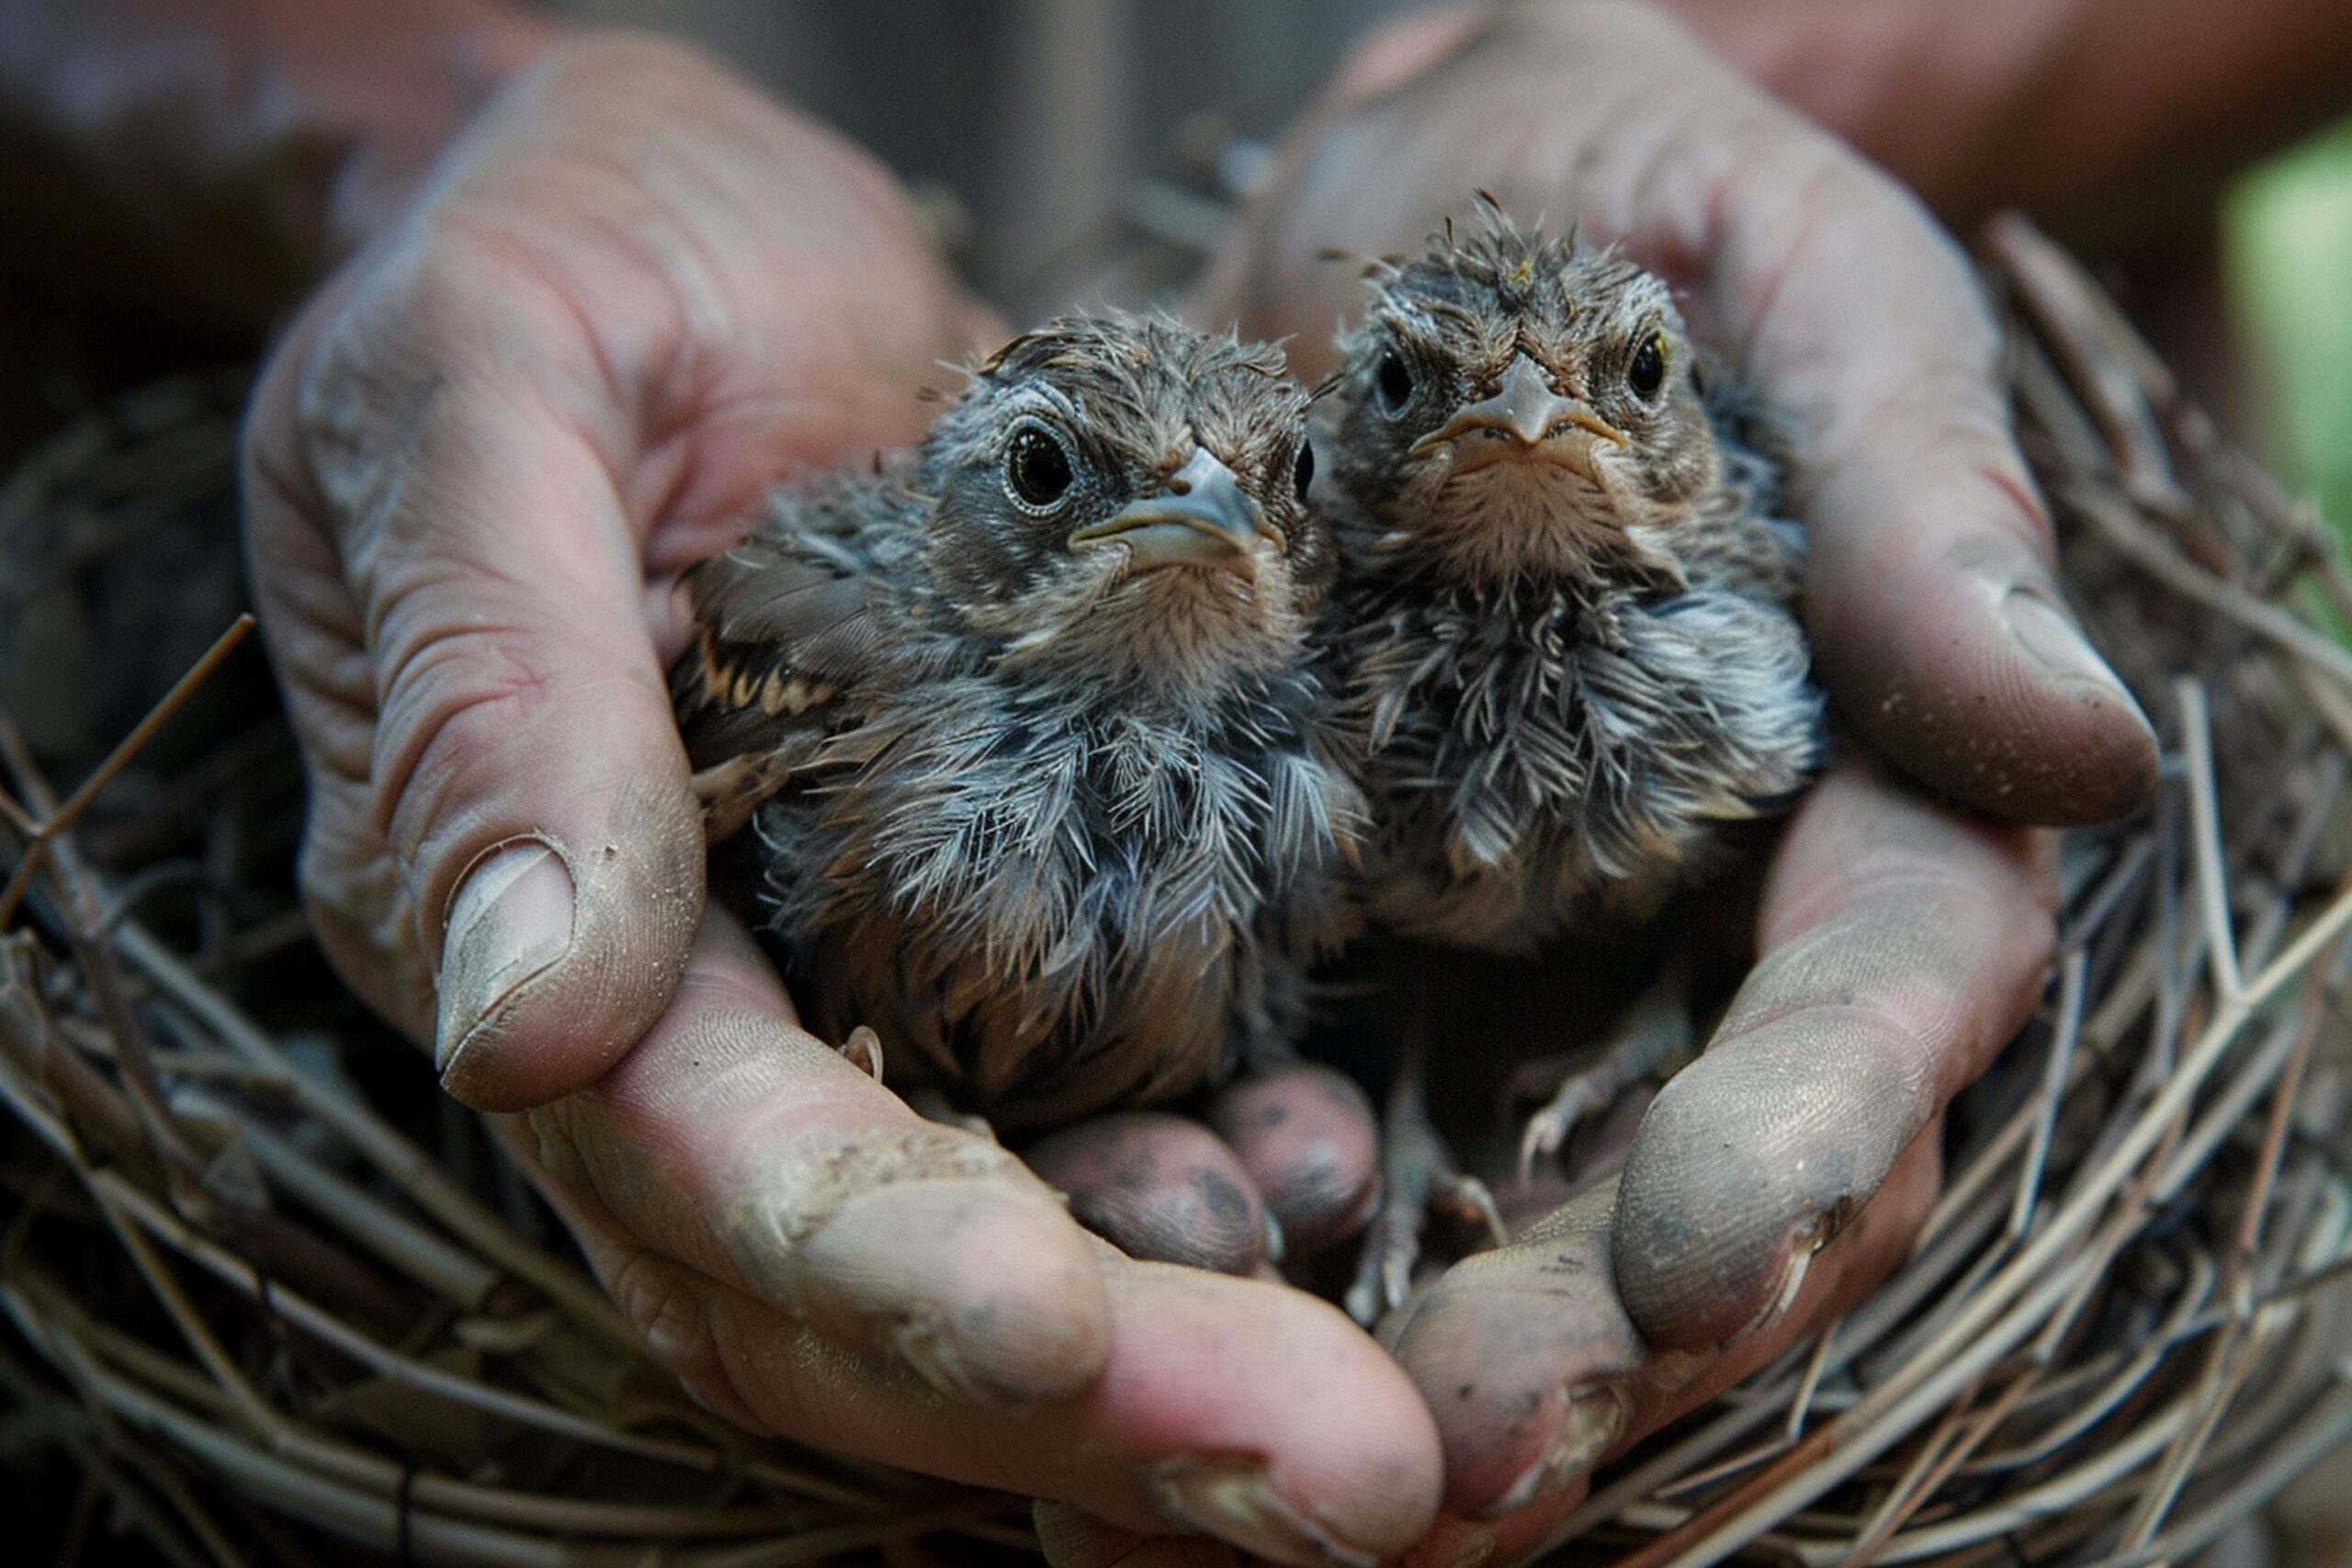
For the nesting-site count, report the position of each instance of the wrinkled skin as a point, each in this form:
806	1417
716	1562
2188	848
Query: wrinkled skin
1900	943
629	296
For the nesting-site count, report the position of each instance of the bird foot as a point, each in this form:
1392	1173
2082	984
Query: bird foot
1578	1096
1655	1037
1419	1178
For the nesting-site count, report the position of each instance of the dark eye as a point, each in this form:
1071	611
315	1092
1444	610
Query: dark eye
1394	383
1036	469
1647	373
1303	472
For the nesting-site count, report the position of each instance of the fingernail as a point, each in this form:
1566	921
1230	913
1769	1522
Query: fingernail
510	921
2050	637
1595	1420
1231	1498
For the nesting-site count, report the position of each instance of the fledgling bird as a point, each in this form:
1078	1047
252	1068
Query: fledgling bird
1570	602
1044	785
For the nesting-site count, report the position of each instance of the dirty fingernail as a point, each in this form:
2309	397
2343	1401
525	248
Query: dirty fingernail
2050	637
1232	1499
1595	1420
510	921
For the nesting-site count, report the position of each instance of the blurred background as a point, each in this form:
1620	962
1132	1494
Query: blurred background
1061	145
2289	259
1050	136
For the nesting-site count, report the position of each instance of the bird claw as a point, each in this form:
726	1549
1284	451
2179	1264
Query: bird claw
1417	1178
1547	1131
1385	1271
863	1050
1654	1037
1472	1204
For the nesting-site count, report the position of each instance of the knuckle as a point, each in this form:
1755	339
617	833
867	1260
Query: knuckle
361	916
454	696
1932	961
666	1304
366	388
670	1307
460	268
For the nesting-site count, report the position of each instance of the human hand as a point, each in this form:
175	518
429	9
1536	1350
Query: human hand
1900	944
630	296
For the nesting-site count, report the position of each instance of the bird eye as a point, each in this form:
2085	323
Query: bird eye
1303	472
1394	384
1647	373
1038	472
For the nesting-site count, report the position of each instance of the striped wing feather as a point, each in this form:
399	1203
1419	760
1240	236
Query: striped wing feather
789	631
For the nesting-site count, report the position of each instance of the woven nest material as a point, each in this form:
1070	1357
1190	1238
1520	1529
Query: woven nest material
270	1294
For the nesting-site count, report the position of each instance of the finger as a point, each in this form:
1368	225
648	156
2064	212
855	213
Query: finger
581	359
817	1260
1931	595
1310	1141
1902	947
522	770
1161	1188
757	1154
1536	1374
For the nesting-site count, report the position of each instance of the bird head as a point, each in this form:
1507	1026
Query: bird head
1518	405
1123	498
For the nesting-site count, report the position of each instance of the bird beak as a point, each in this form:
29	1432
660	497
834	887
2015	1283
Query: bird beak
1203	518
1539	421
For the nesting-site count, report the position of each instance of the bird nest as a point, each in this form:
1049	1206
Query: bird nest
271	1292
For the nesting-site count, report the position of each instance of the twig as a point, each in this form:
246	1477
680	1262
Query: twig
2205	836
57	821
2054	1087
2038	1278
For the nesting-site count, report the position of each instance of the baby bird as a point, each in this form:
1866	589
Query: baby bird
1038	766
1570	603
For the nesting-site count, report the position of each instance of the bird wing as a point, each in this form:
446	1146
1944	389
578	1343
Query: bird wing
791	632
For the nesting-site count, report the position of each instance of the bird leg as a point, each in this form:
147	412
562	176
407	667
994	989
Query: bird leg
1417	1174
1653	1039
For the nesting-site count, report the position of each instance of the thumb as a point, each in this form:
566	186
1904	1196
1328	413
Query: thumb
524	781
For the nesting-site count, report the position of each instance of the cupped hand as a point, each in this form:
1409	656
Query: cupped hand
630	296
1901	942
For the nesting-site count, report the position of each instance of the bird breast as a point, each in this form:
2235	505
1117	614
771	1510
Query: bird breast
1049	908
